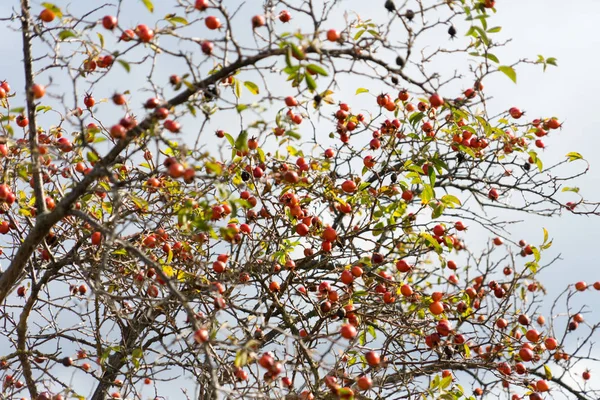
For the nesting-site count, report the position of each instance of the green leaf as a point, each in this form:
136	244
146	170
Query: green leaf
572	156
362	338
291	70
532	266
252	87
137	353
364	185
431	174
427	194
373	32
536	254
434	383
241	358
494	29
237	88
447	381
174	19
120	252
415	118
125	65
92	157
450	200
545	235
298	52
241	143
508	71
316	69
230	139
293	134
45	109
361	90
66	34
547	372
288	57
192	109
101	39
371	330
570	189
214	167
551	61
359	34
261	155
148	5
432	242
53	8
546	246
482	20
310	82
139	202
491	57
481	34
438	210
467	351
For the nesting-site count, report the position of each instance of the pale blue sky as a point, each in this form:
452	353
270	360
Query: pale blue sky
553	28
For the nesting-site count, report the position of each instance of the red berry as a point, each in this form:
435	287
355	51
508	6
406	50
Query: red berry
118	131
201	5
285	16
373	358
207	47
290	101
96	238
515	112
109	22
47	15
333	35
349	186
436	100
364	383
89	101
144	33
22	121
212	22
38	91
119	99
348	331
258	21
439	230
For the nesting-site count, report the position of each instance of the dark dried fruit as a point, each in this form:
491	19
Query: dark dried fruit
390	6
452	32
317	100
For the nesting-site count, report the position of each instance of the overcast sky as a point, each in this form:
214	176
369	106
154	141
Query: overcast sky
553	28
